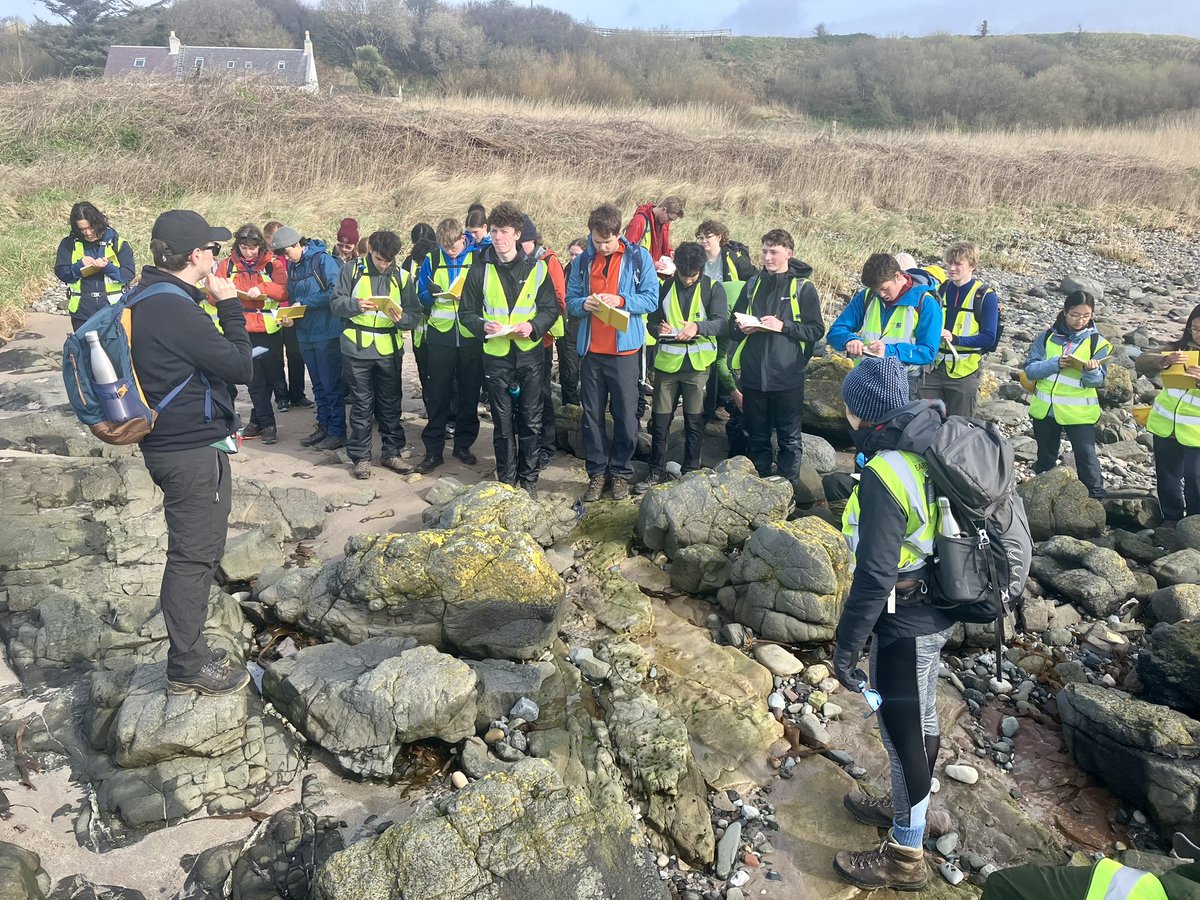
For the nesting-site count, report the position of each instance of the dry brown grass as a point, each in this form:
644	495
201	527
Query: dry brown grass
245	152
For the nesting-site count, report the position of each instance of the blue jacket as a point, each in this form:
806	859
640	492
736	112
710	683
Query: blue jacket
318	324
454	267
637	285
70	273
926	337
1038	367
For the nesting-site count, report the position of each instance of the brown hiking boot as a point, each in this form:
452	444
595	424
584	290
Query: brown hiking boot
875	811
620	487
595	488
880	812
888	866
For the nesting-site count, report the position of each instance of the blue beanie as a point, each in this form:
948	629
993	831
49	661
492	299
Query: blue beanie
875	387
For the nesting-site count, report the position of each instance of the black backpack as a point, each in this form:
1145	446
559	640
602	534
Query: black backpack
979	574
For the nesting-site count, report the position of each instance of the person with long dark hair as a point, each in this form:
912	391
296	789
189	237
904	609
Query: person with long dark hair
93	262
1175	423
1067	362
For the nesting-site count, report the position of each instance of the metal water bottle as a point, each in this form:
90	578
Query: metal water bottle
109	389
949	525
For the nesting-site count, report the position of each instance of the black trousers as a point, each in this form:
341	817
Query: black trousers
375	395
421	356
455	376
514	386
1048	434
735	431
778	412
606	381
959	394
289	387
568	362
197	498
262	383
548	434
1177	473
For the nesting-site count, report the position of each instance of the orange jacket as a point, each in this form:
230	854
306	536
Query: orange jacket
248	274
555	270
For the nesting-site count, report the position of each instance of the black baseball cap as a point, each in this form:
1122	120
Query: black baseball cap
183	231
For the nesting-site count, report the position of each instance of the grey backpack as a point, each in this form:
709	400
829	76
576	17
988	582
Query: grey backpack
979	574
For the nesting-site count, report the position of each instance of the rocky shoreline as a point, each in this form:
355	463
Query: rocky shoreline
489	696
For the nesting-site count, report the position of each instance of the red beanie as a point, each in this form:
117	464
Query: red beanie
348	232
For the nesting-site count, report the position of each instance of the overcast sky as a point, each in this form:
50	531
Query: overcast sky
881	17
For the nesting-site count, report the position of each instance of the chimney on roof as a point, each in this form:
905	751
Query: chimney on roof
308	44
174	45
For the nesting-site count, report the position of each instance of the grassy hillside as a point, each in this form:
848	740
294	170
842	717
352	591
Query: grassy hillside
239	152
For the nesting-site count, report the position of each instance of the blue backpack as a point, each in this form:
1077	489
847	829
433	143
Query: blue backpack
117	413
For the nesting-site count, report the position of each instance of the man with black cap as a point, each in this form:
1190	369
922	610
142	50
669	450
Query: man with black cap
889	559
187	451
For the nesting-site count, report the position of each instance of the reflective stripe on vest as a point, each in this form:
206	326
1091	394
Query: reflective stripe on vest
751	287
1113	881
1176	413
701	351
1063	394
211	312
374	327
965	325
899	329
904	475
495	307
444	313
112	287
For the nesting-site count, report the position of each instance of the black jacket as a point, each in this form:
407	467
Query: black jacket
776	362
878	554
512	278
172	339
716	309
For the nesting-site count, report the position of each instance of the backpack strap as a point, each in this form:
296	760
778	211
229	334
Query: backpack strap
157	290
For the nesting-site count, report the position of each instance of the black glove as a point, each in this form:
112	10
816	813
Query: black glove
845	669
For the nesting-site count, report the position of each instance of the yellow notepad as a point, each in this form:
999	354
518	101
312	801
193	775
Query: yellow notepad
1175	377
386	305
454	292
89	271
290	312
611	315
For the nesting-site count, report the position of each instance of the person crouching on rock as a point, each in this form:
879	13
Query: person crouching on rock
1175	423
1068	363
889	560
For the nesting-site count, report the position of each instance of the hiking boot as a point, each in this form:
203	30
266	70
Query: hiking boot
888	866
620	488
396	464
595	488
466	457
303	403
214	679
427	465
282	405
331	442
251	431
362	469
880	813
876	811
530	487
315	438
543	458
270	435
643	486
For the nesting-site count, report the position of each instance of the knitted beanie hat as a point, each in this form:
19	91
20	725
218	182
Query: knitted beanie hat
348	231
875	387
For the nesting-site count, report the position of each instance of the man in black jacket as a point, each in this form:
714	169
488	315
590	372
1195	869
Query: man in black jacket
769	357
508	299
187	452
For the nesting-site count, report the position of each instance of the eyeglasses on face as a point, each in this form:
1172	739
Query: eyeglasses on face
214	247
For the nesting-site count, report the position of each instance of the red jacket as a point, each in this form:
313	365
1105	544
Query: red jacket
249	274
643	222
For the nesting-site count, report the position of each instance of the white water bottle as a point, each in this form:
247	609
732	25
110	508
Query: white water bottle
949	525
109	390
